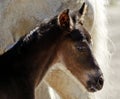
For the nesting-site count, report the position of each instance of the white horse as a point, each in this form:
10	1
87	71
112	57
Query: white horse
18	17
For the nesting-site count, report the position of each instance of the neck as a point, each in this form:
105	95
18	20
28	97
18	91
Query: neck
32	55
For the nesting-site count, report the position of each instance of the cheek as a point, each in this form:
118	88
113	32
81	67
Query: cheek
70	57
76	68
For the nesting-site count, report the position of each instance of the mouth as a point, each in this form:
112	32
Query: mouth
92	89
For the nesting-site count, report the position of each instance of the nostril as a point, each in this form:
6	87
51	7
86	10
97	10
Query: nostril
100	82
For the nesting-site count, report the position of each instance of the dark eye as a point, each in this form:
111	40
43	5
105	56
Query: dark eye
76	35
81	46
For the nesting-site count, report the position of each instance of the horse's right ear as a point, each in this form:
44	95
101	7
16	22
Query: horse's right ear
64	19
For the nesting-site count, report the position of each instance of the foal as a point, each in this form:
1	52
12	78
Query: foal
62	39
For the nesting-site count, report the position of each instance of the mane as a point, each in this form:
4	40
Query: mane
42	31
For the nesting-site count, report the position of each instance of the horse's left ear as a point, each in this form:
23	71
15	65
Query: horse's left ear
82	12
64	19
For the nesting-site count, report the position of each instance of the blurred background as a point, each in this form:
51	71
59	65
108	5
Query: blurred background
113	16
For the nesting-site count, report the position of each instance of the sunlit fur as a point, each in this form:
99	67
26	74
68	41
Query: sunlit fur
18	17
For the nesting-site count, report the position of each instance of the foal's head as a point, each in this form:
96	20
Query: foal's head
75	50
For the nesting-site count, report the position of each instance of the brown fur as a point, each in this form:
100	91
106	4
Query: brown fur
26	63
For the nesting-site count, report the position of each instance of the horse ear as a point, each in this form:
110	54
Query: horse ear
82	12
64	19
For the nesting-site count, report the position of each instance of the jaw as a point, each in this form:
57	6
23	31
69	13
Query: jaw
63	68
76	74
82	80
78	79
92	89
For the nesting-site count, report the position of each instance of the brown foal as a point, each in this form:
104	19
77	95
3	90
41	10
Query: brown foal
62	39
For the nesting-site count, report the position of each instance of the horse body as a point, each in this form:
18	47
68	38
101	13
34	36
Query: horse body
63	39
18	20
